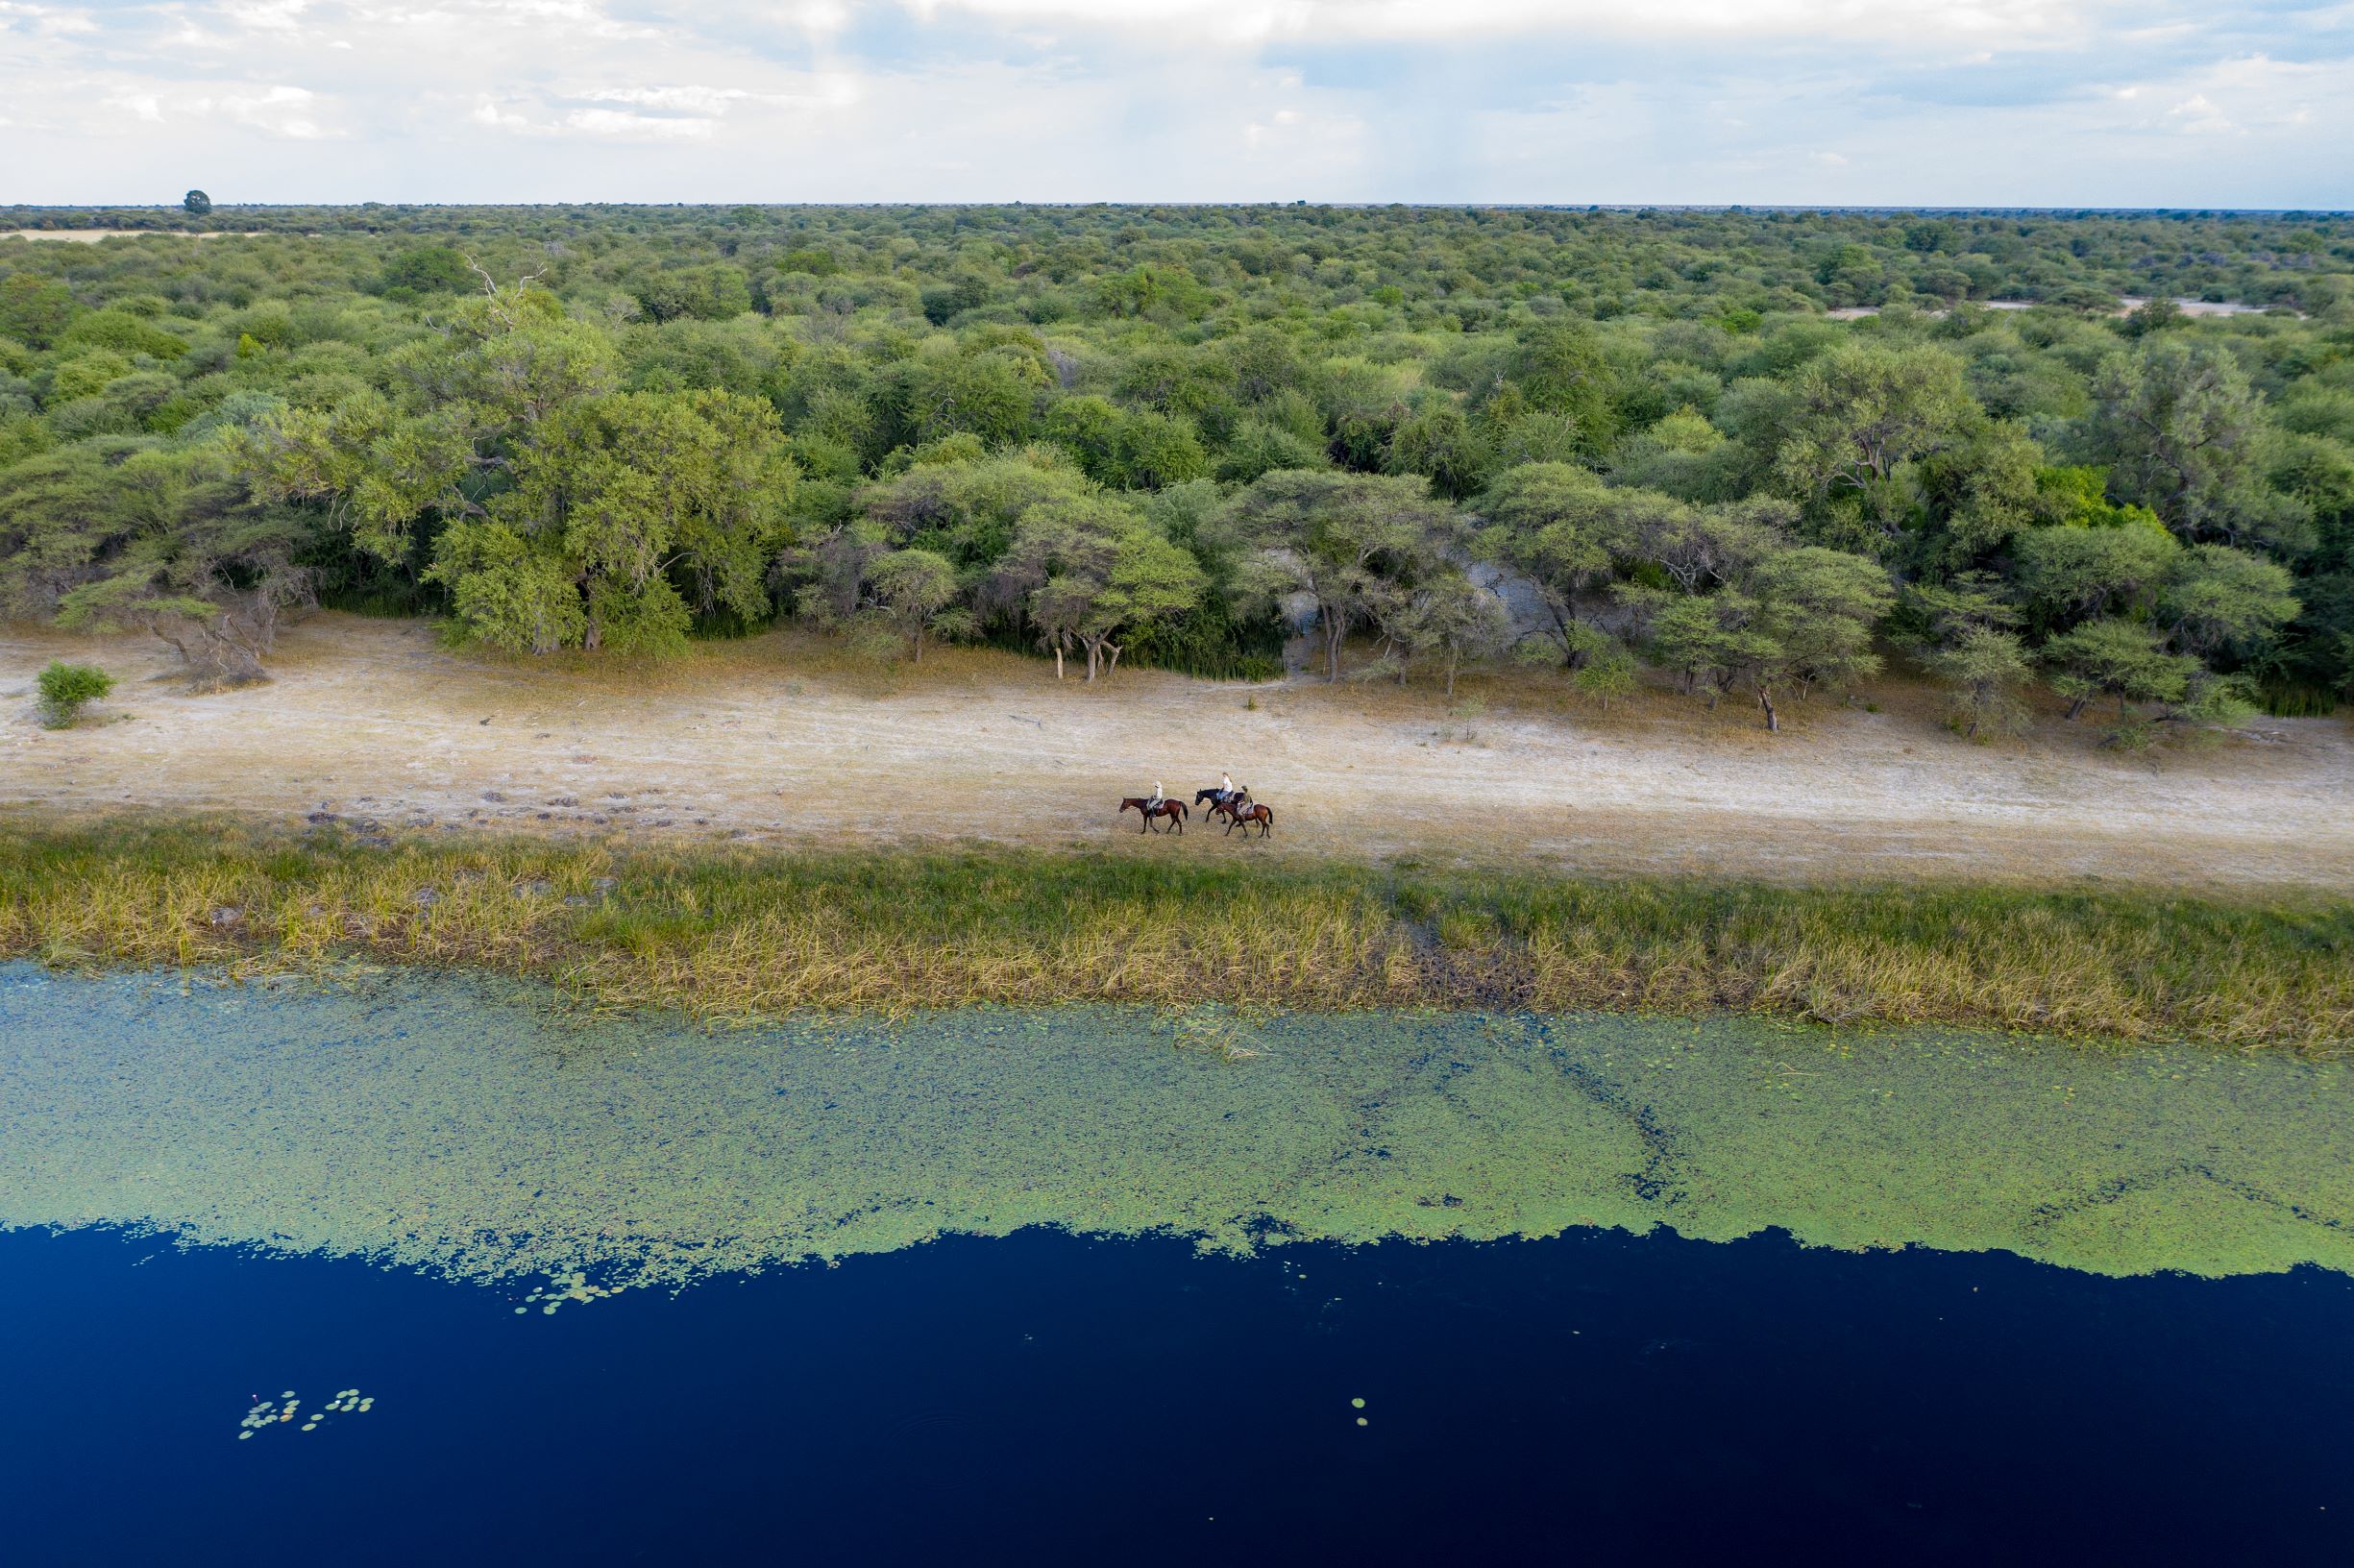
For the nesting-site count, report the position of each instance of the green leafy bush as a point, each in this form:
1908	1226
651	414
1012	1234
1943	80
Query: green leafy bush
67	688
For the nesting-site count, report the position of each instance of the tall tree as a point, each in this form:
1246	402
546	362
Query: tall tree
1987	668
915	591
1859	421
2183	433
2120	659
1561	529
177	547
1450	618
624	501
1353	543
1090	570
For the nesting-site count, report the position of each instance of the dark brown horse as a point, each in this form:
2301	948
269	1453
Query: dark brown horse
1173	810
1222	805
1243	816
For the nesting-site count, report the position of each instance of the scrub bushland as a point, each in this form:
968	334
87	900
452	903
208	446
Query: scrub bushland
736	935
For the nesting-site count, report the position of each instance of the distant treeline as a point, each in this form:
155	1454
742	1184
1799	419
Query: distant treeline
1177	434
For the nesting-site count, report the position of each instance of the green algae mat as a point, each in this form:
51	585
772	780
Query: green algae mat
480	1130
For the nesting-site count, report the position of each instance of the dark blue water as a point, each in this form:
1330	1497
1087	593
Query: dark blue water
1050	1398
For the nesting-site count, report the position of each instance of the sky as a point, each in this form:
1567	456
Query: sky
2032	103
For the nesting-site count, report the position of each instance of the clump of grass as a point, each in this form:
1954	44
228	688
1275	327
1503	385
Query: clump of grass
732	934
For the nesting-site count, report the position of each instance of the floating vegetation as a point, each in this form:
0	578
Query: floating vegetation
473	1128
282	1411
574	1286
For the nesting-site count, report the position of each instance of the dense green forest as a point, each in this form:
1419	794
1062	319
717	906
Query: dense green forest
1600	440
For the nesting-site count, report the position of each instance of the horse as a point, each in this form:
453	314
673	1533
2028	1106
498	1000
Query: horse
1221	804
1243	816
1174	810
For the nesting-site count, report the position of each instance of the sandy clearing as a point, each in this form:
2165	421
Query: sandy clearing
2126	306
779	740
91	236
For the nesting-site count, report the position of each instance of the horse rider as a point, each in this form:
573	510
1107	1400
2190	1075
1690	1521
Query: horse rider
1154	804
1226	788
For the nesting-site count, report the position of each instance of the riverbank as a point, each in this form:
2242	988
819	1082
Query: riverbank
737	934
785	740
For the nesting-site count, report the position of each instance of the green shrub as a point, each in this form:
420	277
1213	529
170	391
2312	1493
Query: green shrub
65	688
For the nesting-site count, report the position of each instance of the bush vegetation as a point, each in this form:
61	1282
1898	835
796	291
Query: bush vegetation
1170	434
67	689
735	935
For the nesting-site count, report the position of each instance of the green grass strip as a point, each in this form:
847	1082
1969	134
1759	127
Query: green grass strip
730	934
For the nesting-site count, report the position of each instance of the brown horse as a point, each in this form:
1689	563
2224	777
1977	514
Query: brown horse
1173	810
1243	816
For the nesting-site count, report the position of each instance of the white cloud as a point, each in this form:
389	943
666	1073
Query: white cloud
615	122
2201	117
267	15
49	21
2065	101
2015	23
691	99
279	110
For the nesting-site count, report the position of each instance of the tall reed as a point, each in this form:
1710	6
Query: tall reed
732	934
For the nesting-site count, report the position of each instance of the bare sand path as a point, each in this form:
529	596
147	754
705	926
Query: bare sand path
788	742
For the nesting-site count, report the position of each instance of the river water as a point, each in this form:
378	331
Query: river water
406	1266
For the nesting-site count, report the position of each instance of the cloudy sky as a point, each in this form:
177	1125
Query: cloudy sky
2241	103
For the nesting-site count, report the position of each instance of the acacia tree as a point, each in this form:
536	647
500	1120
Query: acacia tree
1354	543
912	592
2184	435
1707	639
1453	618
2071	574
1557	368
1800	617
2120	659
122	536
1818	610
1088	570
2224	601
1967	632
1562	530
1858	425
1987	668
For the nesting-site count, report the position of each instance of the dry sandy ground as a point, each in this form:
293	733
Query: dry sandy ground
783	741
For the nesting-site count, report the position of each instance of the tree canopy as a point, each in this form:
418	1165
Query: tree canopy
1181	436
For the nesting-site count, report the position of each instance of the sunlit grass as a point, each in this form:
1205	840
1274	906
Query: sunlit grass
728	934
